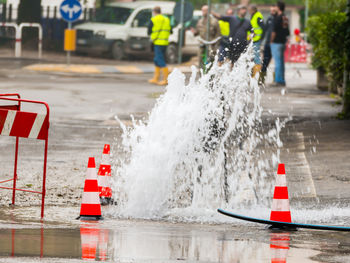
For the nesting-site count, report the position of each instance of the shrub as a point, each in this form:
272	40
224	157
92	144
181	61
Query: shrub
326	33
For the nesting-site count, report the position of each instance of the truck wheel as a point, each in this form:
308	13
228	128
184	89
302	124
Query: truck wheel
117	50
172	53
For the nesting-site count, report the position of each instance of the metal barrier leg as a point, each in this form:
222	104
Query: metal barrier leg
44	181
13	242
42	241
15	172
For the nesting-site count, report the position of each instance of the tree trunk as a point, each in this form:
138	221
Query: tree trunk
346	96
322	81
29	11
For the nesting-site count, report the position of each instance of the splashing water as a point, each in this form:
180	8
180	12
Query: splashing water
203	146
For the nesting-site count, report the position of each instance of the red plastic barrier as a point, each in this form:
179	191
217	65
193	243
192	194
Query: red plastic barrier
17	123
296	52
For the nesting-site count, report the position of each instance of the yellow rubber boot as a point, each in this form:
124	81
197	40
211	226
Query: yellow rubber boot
165	72
156	75
256	69
262	77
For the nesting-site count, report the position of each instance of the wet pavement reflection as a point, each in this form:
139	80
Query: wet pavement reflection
279	246
143	241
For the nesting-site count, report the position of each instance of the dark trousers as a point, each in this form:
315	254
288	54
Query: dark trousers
159	56
267	57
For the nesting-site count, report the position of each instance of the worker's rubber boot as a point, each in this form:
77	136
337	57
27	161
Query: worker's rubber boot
165	72
156	75
256	69
262	77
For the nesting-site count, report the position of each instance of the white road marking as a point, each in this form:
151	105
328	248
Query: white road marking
298	171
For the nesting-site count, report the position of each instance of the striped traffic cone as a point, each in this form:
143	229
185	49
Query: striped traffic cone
280	204
89	241
104	176
90	204
279	246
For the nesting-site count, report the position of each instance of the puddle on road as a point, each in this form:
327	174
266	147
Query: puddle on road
150	242
64	239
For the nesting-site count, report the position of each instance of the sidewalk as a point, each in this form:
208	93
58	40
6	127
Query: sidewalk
56	62
129	67
132	68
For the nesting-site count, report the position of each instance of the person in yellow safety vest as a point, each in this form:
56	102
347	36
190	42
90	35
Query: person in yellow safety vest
257	23
225	32
159	29
225	26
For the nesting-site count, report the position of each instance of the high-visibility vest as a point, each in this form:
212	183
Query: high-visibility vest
160	30
258	31
224	28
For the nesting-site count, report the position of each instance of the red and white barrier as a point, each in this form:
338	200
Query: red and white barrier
17	123
22	124
18	33
296	52
40	37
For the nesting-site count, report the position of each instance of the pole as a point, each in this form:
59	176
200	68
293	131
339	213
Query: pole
306	16
181	30
68	52
208	29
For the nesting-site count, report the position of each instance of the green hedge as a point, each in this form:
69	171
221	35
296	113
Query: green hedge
326	33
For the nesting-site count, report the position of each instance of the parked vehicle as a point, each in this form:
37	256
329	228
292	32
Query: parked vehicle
120	29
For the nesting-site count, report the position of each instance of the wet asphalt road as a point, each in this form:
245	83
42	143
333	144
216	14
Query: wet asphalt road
82	120
114	240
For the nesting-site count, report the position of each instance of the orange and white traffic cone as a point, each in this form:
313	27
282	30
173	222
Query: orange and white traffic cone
103	244
90	204
279	246
89	241
104	177
280	204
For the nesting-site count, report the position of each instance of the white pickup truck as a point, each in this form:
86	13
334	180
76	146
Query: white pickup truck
121	30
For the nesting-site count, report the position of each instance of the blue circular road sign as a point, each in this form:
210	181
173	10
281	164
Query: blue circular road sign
70	10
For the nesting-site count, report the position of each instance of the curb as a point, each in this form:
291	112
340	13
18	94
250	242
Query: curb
98	69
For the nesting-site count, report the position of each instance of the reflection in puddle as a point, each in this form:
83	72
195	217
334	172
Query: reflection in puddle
89	240
19	243
172	244
94	242
279	246
151	242
103	244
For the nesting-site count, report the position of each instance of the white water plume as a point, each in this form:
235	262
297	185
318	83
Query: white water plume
203	146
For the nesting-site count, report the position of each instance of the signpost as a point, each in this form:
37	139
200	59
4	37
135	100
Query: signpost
70	11
183	12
